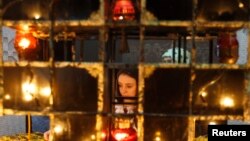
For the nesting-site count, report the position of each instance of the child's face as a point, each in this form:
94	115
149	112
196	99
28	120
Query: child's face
127	85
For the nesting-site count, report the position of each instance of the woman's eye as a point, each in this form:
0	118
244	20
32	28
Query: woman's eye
129	86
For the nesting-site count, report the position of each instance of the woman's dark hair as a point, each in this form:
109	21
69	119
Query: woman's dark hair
130	72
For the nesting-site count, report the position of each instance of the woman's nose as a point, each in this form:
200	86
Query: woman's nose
123	90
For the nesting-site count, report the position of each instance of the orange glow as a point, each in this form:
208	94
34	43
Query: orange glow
103	135
127	134
7	97
45	91
241	5
58	129
25	41
203	93
212	123
120	136
29	87
227	102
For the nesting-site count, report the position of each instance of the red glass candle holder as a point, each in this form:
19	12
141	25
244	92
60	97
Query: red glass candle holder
228	46
123	10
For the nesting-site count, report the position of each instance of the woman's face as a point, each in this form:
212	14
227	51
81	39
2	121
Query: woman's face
127	85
